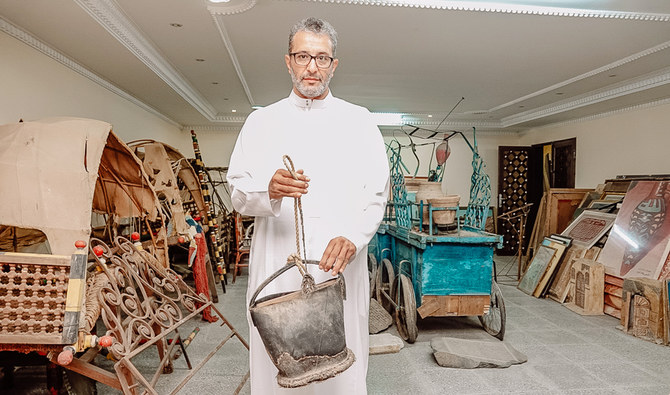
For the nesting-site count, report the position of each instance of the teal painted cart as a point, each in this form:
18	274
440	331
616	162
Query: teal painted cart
440	275
435	274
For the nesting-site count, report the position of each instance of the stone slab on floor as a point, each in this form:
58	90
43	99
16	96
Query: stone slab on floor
385	343
379	319
469	354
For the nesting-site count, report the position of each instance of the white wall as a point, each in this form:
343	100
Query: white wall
35	86
458	168
632	142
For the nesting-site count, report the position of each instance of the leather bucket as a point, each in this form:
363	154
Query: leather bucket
303	330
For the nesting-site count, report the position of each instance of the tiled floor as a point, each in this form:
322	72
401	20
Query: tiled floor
567	354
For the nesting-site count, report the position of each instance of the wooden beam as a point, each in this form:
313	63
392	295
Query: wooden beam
89	370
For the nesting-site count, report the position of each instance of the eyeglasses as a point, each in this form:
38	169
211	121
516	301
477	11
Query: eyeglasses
303	58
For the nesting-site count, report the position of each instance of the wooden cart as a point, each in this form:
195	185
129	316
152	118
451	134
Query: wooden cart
420	270
436	276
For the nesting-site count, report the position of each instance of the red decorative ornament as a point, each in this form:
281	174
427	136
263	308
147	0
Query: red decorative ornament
98	251
135	236
442	152
66	356
80	244
105	341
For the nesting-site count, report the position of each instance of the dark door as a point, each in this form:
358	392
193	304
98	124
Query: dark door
564	154
512	193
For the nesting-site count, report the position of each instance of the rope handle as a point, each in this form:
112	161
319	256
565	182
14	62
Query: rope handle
299	225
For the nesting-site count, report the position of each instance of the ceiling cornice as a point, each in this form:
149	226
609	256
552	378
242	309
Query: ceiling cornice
627	87
107	13
232	7
109	16
603	69
218	20
212	128
600	115
44	48
505	8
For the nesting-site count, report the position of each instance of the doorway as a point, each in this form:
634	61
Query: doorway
524	172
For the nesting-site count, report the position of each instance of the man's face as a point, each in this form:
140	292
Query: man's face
310	81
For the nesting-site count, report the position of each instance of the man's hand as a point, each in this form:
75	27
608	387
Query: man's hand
337	255
282	184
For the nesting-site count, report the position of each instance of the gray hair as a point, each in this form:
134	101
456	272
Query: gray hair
314	25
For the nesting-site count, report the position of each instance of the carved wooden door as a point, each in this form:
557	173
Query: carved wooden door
512	193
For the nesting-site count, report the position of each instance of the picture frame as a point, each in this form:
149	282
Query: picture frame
634	248
548	275
618	197
589	227
601	204
560	238
536	269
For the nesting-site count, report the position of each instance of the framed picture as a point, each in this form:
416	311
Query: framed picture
603	204
548	275
617	197
638	242
589	227
560	238
538	265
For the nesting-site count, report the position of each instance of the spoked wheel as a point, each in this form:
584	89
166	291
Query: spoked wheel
405	317
494	321
385	276
372	271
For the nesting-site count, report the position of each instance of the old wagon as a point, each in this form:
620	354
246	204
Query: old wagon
417	268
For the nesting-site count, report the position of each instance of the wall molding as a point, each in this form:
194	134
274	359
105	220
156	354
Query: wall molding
232	7
600	115
110	17
211	128
218	20
603	69
506	9
627	87
39	45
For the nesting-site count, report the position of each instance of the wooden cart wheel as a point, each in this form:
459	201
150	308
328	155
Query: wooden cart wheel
372	271
494	321
405	317
385	276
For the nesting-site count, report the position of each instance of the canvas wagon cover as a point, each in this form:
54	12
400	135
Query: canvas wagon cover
48	174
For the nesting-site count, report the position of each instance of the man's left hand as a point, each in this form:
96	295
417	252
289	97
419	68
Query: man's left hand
337	255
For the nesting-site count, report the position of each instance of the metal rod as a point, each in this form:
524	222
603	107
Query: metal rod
202	363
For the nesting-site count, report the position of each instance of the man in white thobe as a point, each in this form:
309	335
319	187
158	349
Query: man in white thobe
343	189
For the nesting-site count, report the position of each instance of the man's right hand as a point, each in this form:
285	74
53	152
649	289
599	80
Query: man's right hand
282	184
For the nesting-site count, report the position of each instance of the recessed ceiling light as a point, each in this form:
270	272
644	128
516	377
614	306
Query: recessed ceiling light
234	110
176	24
430	116
256	107
200	60
219	1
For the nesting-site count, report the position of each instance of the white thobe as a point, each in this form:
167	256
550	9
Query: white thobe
342	152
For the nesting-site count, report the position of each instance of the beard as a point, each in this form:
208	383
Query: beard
310	91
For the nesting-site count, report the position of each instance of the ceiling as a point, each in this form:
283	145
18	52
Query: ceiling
518	64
